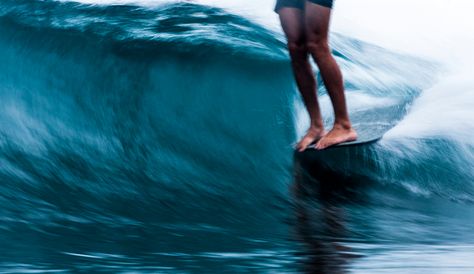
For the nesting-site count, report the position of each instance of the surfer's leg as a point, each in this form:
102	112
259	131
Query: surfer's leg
292	21
317	18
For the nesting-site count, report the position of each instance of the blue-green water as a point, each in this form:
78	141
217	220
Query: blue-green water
159	139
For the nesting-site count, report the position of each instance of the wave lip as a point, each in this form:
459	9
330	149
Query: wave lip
182	27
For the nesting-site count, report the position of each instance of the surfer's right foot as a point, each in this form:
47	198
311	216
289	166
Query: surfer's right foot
313	135
338	134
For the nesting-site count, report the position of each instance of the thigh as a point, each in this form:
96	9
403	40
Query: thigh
317	18
292	22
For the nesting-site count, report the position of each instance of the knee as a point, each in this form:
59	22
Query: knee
297	49
298	52
318	47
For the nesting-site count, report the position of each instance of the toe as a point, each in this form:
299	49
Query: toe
304	145
301	146
322	146
318	144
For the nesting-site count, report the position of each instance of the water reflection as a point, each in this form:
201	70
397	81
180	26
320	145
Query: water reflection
320	196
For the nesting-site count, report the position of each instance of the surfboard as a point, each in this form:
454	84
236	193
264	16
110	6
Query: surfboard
368	131
371	123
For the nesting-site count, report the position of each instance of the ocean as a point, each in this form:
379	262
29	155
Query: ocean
157	137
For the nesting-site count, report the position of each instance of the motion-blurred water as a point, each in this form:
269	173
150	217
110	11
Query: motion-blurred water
159	138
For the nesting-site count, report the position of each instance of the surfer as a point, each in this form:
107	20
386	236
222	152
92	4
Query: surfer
306	26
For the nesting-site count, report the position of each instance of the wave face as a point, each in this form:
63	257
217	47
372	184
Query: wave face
179	117
107	106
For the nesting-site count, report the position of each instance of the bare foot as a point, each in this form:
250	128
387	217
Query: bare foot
338	134
312	135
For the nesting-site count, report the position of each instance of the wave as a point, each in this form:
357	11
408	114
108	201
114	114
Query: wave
100	119
155	112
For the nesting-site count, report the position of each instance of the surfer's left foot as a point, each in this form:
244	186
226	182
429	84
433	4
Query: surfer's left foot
314	134
338	134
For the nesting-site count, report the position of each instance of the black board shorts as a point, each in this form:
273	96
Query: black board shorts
299	4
